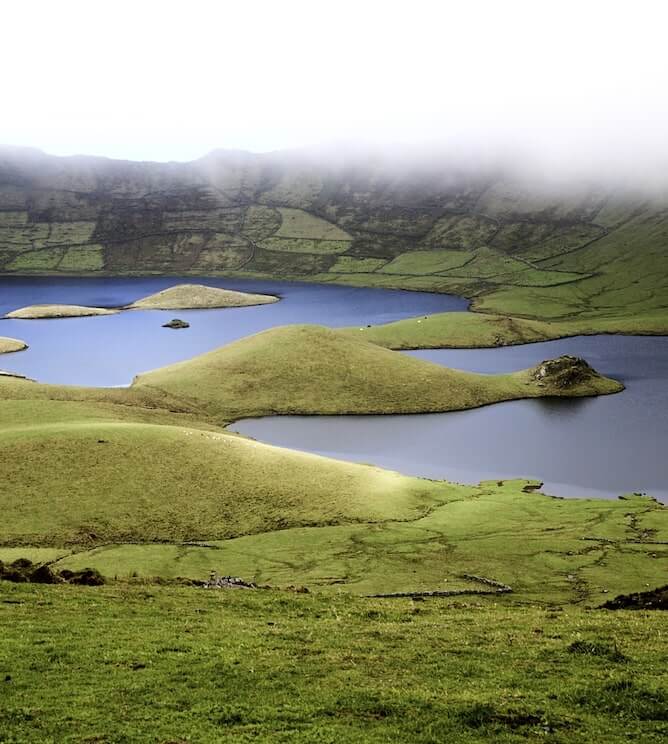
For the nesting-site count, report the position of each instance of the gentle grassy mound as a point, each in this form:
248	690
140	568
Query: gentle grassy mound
144	663
87	481
36	312
196	296
310	369
8	345
458	331
547	550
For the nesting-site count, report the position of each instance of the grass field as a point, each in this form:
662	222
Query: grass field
146	663
419	537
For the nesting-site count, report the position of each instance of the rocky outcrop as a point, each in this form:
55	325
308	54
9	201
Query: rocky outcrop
564	372
227	582
176	323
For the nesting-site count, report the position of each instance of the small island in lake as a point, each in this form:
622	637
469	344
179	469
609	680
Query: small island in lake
41	312
8	345
199	296
179	297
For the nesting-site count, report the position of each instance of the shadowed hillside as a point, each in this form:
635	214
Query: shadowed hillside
515	246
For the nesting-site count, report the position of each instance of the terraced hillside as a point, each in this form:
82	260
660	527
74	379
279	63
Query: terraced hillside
515	247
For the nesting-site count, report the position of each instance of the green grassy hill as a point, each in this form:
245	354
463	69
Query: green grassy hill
484	330
99	482
315	370
93	466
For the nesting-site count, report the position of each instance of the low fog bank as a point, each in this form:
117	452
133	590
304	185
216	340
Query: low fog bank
568	167
566	163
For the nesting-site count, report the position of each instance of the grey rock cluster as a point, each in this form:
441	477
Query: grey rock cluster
227	582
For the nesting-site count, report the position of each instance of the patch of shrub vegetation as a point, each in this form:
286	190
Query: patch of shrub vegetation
595	648
653	599
625	698
486	716
24	571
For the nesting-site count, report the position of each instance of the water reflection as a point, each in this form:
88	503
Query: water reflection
562	407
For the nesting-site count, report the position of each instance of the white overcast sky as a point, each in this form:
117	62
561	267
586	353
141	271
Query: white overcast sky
173	80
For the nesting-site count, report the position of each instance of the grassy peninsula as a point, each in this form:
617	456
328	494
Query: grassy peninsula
315	370
176	664
482	330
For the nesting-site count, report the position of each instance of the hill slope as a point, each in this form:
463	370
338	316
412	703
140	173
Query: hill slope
133	480
87	466
315	370
514	245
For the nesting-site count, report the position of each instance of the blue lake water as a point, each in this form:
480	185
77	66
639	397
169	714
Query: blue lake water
598	447
110	350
